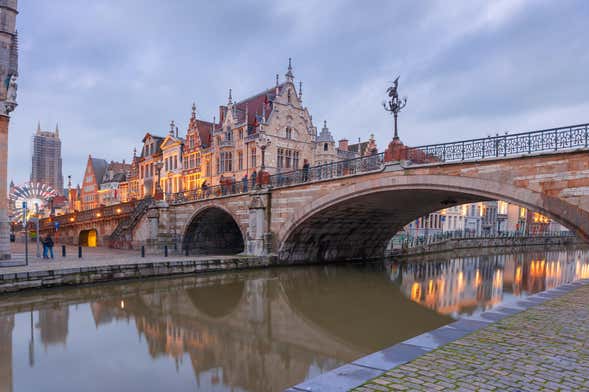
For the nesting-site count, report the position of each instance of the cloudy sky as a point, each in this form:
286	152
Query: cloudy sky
110	70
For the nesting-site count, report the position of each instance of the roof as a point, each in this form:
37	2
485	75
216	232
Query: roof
256	105
99	168
204	132
358	148
325	135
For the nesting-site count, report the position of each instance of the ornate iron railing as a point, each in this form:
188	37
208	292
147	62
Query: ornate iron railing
293	177
328	171
555	139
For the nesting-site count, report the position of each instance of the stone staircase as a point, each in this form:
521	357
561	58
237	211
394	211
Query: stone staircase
121	236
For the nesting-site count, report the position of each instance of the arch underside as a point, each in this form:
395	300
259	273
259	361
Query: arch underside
213	232
359	228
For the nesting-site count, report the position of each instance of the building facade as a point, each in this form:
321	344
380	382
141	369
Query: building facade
8	87
46	159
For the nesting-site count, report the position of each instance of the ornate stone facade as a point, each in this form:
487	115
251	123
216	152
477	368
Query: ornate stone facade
8	86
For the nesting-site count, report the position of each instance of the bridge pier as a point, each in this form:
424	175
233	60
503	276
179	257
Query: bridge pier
258	238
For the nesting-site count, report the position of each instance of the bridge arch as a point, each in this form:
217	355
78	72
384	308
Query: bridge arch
355	222
213	230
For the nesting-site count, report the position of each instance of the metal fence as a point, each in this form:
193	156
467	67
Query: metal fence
555	139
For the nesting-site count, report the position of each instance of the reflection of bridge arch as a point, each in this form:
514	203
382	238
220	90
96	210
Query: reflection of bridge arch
213	230
217	301
88	238
355	222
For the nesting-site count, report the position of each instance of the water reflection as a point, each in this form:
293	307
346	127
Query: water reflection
465	285
252	331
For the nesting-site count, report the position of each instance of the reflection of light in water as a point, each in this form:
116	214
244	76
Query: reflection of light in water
471	284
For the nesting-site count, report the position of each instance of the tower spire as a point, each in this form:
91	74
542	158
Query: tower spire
57	130
38	127
289	75
277	83
230	100
300	91
193	116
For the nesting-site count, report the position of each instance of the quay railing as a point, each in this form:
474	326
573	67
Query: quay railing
545	140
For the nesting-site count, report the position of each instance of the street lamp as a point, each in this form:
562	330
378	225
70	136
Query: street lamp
262	143
158	188
395	104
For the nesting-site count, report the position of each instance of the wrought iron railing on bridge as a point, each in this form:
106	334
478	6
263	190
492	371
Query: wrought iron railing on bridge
313	173
546	140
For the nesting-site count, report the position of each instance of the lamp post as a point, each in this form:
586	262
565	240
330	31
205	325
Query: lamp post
262	143
394	104
158	188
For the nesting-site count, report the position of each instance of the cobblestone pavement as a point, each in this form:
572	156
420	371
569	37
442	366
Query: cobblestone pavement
92	257
545	348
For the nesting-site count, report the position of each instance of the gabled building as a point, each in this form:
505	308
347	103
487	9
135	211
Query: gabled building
197	152
172	153
95	169
148	163
114	186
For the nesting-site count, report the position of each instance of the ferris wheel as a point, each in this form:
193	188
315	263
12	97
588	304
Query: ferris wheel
37	197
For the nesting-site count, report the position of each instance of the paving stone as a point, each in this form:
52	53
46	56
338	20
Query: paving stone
542	348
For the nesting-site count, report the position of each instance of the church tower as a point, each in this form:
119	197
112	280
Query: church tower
8	86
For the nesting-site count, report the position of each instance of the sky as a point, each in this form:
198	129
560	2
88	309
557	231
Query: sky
108	71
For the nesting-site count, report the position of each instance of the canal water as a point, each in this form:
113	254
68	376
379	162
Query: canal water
260	330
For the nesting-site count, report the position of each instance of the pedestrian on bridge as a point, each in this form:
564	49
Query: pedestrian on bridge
306	171
244	183
254	176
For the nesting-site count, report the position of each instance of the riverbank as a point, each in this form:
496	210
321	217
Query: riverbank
533	343
515	243
105	265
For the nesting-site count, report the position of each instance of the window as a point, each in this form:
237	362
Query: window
289	96
197	160
325	146
208	167
288	159
295	159
228	134
241	134
175	162
254	157
226	161
191	142
288	132
240	159
280	158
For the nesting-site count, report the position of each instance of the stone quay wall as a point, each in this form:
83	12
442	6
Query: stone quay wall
13	282
515	243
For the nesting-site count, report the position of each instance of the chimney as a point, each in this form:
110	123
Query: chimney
343	145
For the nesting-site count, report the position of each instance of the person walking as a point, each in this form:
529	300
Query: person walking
45	248
254	176
306	171
49	243
244	183
222	184
233	184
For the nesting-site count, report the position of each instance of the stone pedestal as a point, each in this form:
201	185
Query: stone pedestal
4	222
396	151
257	228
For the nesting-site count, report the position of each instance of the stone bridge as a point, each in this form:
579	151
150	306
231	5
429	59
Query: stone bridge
347	217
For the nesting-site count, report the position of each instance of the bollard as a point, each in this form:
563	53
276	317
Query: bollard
63	250
165	250
142	251
79	252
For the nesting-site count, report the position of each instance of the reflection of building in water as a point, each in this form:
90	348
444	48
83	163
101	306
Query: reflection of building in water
6	327
229	339
465	284
534	272
53	324
455	286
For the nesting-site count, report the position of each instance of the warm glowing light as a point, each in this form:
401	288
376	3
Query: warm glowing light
481	209
522	212
415	291
518	274
477	278
430	286
119	210
122	304
98	214
502	207
72	219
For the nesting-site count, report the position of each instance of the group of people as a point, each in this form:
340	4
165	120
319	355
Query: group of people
47	246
